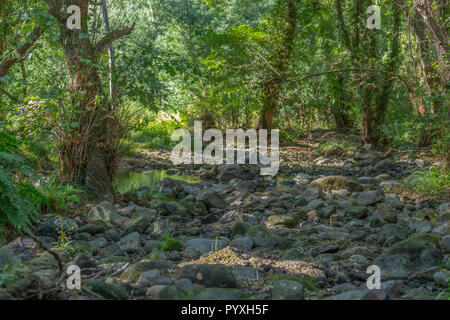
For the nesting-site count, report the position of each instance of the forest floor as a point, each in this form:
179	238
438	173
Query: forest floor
311	232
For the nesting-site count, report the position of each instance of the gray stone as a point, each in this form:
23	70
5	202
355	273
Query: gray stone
212	199
369	198
243	243
221	294
209	275
53	226
105	211
130	243
287	290
415	254
446	244
198	246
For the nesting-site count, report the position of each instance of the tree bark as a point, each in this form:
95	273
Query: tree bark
272	87
87	150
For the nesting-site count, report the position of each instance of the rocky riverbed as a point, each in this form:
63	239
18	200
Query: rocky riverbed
309	233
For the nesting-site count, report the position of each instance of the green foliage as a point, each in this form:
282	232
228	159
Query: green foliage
60	195
10	272
64	242
435	180
154	132
169	244
19	199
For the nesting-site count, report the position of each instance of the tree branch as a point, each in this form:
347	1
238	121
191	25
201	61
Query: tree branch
110	37
20	52
392	74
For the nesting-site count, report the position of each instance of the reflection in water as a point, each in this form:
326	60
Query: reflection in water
125	181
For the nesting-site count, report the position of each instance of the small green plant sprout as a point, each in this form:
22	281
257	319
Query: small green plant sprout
169	244
64	242
214	246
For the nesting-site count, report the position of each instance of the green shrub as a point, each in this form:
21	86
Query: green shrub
59	196
435	180
19	199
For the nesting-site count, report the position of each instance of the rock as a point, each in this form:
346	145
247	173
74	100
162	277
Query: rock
163	226
228	172
209	275
446	244
313	205
333	151
368	181
243	243
336	183
415	254
369	198
15	251
212	199
444	208
106	212
302	179
241	273
357	294
221	294
287	290
442	279
292	254
98	243
155	291
107	290
283	220
394	202
393	230
84	261
239	228
137	224
264	238
197	208
171	187
310	194
198	246
53	226
326	212
133	272
94	227
358	212
420	226
127	211
149	214
146	278
442	229
151	245
130	243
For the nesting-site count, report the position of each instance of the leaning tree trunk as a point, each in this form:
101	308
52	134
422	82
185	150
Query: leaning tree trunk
272	87
87	152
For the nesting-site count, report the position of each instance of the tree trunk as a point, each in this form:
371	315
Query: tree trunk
86	152
272	87
110	54
374	113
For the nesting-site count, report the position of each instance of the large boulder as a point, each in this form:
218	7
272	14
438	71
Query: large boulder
415	254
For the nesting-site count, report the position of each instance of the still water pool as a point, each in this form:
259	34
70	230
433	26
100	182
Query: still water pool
125	181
